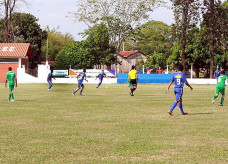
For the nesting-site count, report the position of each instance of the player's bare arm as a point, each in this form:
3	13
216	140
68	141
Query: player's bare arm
167	90
15	82
6	83
189	85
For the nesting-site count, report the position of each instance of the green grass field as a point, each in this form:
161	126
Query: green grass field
110	126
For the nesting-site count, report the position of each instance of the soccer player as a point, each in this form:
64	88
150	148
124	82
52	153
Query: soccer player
179	79
129	83
11	80
217	74
49	80
134	77
100	76
80	78
220	88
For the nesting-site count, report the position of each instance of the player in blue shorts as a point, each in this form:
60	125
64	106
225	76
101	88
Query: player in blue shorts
81	77
100	76
49	80
179	79
217	73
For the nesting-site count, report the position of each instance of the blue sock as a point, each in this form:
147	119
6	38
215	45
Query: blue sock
50	86
181	108
98	85
81	91
74	91
173	107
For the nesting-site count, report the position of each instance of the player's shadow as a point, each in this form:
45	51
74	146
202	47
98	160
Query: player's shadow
148	95
25	100
200	113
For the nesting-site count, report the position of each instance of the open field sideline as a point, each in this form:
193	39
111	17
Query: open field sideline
110	126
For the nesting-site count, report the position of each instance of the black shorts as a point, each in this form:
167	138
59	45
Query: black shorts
133	82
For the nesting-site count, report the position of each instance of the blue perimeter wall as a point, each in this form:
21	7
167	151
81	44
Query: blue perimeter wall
146	78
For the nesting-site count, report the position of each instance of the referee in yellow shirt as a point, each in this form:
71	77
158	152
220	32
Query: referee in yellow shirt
134	77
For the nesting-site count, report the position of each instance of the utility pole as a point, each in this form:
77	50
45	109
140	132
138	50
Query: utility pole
47	53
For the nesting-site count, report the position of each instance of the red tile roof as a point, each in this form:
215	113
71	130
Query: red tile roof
51	63
15	50
126	54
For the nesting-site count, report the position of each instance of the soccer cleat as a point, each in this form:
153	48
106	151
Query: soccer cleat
185	113
170	113
12	100
130	93
221	104
213	100
73	94
49	89
81	94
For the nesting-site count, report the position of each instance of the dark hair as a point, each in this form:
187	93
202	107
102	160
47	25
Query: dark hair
180	67
10	68
133	67
84	70
223	72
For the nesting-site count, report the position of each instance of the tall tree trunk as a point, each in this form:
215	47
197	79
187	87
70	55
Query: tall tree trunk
183	38
6	22
197	72
212	38
211	58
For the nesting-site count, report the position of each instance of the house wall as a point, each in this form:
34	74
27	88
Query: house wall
126	63
4	69
24	62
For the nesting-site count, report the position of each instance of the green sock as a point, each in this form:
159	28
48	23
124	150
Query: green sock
222	99
9	96
215	97
12	96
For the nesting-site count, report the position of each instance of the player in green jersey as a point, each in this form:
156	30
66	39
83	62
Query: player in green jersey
220	88
11	80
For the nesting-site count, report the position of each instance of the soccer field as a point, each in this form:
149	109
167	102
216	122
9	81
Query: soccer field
110	126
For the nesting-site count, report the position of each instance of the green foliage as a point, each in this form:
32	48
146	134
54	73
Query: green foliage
119	16
78	55
149	62
98	38
140	63
56	41
153	39
27	30
175	59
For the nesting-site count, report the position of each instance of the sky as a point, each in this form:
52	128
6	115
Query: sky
55	13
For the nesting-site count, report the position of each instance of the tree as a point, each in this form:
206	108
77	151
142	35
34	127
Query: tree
212	25
153	38
119	16
77	54
140	63
197	50
95	50
9	7
186	14
27	30
56	42
98	38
